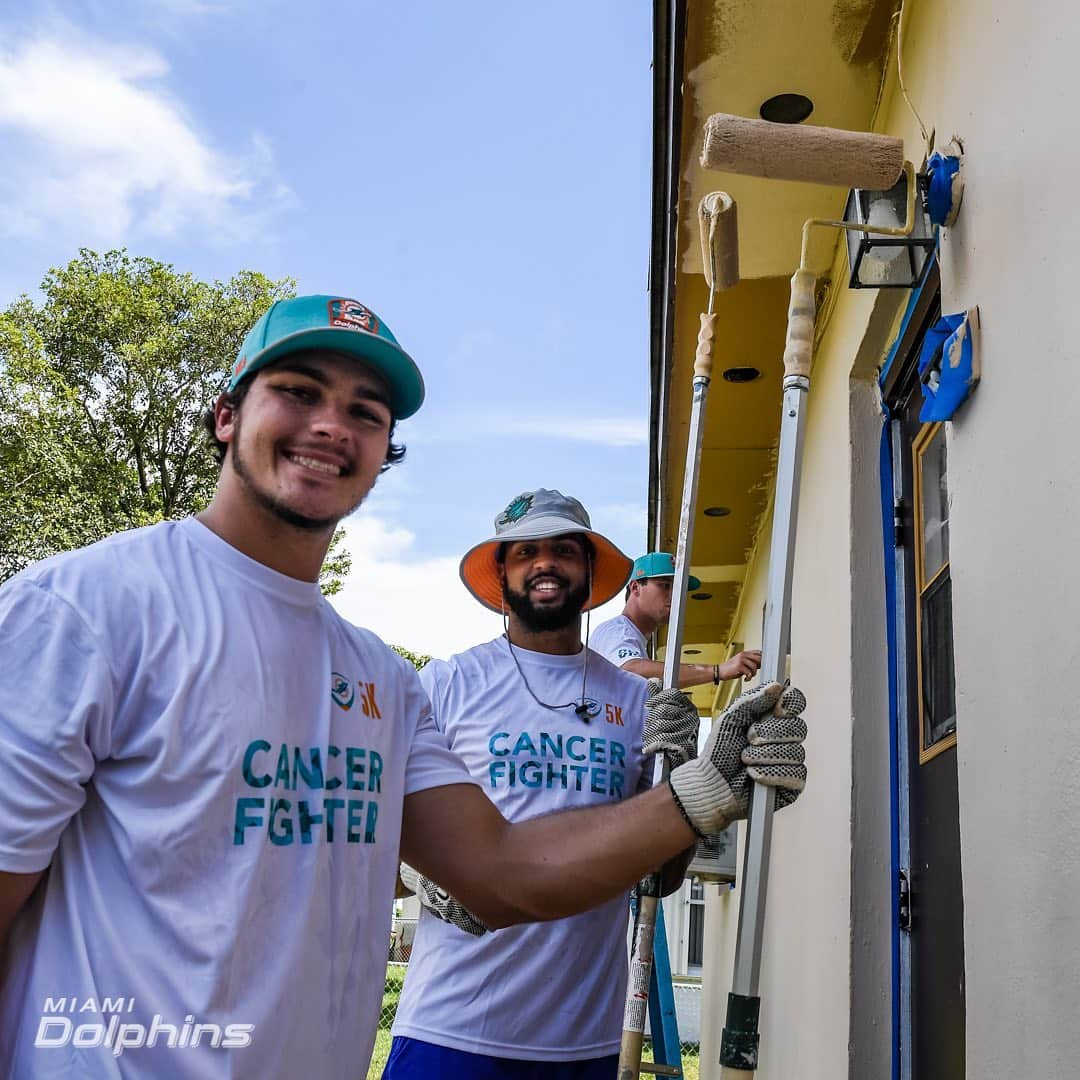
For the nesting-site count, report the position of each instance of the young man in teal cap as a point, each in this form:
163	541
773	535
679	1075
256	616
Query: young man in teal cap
211	775
648	607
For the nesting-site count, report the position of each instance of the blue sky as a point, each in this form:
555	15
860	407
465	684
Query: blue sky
479	174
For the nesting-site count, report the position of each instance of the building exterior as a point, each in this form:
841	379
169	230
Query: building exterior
935	582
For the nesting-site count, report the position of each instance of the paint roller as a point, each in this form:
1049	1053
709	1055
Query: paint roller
816	155
718	225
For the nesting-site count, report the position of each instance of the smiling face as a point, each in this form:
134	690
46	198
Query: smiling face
308	442
546	582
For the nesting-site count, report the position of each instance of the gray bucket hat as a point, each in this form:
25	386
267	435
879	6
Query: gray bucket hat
538	515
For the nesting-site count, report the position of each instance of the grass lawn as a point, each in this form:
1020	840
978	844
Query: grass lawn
691	1063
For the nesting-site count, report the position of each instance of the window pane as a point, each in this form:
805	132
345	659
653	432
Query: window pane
939	683
935	505
695	952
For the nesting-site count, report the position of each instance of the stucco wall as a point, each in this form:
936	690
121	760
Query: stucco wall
1004	77
995	74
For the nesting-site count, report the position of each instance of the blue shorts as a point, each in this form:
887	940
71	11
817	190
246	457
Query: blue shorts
413	1059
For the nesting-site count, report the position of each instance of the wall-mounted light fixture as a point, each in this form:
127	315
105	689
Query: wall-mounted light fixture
887	262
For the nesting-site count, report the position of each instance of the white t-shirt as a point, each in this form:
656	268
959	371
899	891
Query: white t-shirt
619	640
212	763
545	991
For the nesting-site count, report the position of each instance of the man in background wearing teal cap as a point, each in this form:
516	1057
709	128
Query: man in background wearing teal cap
648	607
210	776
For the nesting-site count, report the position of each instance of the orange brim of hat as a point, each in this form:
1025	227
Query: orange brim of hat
480	572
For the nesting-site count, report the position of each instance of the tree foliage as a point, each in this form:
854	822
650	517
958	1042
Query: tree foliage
103	384
418	660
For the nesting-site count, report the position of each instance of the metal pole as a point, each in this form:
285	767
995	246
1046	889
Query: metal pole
739	1042
717	223
739	1045
641	958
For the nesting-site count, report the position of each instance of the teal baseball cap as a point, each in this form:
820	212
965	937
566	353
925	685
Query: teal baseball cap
338	324
660	564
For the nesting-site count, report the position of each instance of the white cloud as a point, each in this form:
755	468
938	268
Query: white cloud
91	138
414	602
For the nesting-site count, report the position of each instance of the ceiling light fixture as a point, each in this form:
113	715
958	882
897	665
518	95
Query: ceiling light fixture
786	108
741	374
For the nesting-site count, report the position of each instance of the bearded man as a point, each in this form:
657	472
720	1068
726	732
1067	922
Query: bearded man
543	724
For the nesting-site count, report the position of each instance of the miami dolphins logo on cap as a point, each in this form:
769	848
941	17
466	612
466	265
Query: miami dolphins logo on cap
342	691
352	315
516	510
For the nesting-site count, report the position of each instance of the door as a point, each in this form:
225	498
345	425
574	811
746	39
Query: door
932	904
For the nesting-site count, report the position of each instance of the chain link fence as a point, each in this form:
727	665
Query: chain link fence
395	978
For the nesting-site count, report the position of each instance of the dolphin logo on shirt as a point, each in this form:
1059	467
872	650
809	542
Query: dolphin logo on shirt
342	691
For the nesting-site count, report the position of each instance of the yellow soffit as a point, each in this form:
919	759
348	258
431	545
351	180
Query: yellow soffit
740	53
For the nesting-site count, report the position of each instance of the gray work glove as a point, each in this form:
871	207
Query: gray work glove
671	725
759	737
439	902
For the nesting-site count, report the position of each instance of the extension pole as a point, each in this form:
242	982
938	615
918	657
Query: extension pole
823	156
719	240
739	1043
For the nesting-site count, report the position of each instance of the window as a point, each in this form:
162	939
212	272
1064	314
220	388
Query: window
937	682
696	946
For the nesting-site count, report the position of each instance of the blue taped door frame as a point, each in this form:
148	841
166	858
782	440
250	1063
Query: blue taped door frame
928	922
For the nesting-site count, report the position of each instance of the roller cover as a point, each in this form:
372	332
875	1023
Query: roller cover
719	227
816	155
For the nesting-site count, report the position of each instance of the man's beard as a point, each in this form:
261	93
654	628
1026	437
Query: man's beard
540	620
279	509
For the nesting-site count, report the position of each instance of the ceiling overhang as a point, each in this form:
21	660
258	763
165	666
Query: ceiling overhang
737	54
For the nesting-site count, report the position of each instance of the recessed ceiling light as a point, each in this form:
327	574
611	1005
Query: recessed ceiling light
701	596
741	374
786	108
716	511
691	652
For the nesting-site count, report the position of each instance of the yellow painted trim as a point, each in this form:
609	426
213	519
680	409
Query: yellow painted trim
938	748
941	570
918	448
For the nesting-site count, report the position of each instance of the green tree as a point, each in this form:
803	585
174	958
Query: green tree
418	660
103	384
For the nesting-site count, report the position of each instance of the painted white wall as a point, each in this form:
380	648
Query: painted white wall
1004	77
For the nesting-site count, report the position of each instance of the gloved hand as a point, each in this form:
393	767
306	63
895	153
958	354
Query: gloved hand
439	902
759	737
671	725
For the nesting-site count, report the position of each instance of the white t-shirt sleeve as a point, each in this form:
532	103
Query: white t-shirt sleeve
431	761
57	698
616	642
